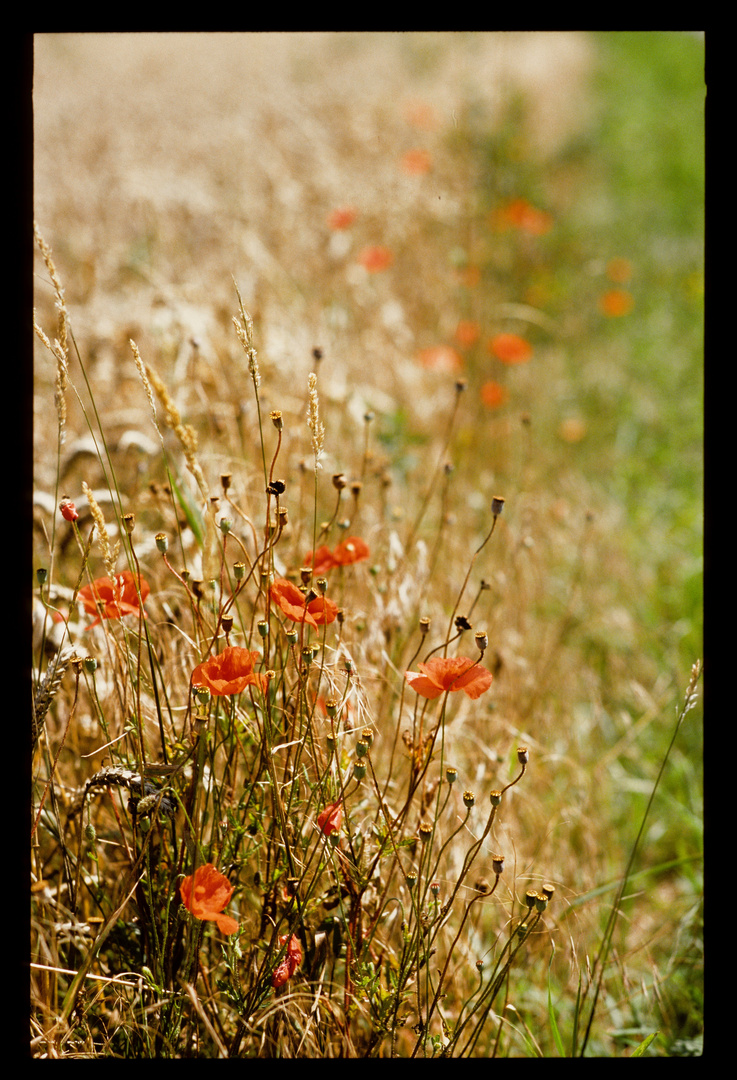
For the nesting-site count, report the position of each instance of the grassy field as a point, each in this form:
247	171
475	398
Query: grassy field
367	545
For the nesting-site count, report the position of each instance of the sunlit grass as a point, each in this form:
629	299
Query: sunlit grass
448	317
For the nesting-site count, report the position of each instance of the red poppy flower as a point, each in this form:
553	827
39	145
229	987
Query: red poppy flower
230	672
442	674
467	333
416	162
331	818
375	259
68	510
616	302
619	270
119	596
421	114
287	967
205	894
510	348
440	358
520	214
493	395
342	217
294	604
352	549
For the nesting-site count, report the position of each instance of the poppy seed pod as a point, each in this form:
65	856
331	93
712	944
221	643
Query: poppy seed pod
497	505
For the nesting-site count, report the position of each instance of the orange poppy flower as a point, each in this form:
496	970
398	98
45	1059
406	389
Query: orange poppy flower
342	217
440	358
375	259
119	596
510	348
294	604
421	114
493	395
331	818
205	894
520	214
616	302
230	672
416	162
442	674
467	333
352	549
287	967
619	270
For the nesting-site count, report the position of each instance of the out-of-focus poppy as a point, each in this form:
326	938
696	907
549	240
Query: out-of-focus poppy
352	549
205	893
467	333
112	598
510	348
342	217
421	115
416	162
440	358
616	302
443	674
521	214
376	258
295	605
287	967
229	672
493	394
619	270
331	818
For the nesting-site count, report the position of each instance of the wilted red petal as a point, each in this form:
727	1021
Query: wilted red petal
287	967
331	818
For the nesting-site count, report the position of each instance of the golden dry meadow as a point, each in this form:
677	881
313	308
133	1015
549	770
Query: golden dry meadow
367	467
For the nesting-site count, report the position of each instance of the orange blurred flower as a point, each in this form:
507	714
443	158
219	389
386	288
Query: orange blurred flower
331	818
616	302
294	604
119	596
416	162
440	358
469	276
619	270
287	967
493	395
352	549
520	214
342	217
573	429
467	333
510	348
376	258
205	894
442	674
230	672
421	114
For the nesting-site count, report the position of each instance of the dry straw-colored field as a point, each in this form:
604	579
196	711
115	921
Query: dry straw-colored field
416	221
